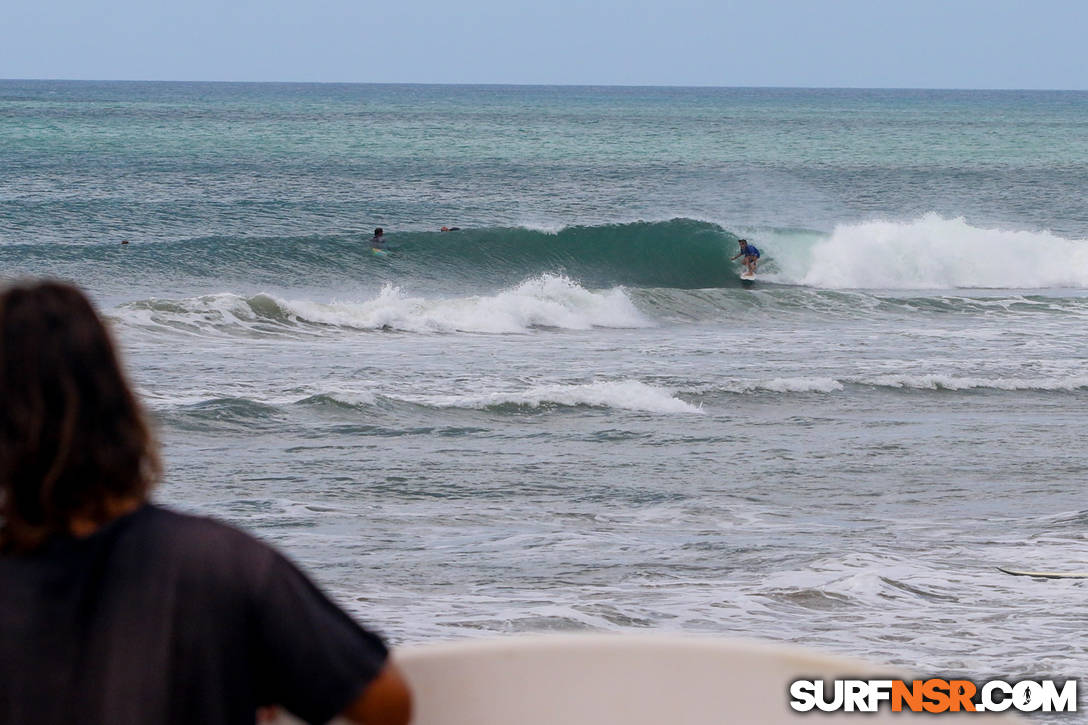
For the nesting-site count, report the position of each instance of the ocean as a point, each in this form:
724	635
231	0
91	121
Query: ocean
568	413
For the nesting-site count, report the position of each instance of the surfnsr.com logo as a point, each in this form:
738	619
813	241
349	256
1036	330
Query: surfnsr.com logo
933	695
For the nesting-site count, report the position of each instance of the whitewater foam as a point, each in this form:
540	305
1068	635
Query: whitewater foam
206	314
352	398
622	394
1053	382
788	385
951	382
937	253
544	301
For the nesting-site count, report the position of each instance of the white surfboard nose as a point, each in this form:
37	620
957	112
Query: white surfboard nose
626	680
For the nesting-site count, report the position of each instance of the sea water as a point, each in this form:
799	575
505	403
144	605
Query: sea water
568	413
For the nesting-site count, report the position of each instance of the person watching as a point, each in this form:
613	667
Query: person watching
117	611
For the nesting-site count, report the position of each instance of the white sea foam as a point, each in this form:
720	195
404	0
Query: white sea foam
787	385
542	225
937	253
354	398
544	301
198	315
622	394
350	395
951	382
1049	382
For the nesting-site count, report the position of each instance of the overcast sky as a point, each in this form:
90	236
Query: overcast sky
822	43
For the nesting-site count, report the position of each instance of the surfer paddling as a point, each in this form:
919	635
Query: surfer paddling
750	253
378	240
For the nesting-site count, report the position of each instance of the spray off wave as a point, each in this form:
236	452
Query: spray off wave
937	253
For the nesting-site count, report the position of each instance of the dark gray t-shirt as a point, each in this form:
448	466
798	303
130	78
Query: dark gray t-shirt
161	617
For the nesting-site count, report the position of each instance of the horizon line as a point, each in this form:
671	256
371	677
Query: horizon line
551	85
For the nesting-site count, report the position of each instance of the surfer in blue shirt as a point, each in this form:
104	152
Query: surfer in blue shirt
750	253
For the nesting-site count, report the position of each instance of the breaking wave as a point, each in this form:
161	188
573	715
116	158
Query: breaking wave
937	253
546	301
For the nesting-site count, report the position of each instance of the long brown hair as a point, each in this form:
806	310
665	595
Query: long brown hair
73	437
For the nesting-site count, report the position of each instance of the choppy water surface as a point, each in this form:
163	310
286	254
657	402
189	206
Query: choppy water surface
569	414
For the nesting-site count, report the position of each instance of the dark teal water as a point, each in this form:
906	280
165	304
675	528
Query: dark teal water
570	413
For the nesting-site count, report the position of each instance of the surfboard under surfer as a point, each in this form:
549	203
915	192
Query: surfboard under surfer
750	253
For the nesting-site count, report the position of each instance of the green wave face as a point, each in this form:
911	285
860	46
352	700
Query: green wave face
681	253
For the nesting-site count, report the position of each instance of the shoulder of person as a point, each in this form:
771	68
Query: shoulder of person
206	545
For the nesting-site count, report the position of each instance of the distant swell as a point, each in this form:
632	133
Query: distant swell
1066	383
952	382
947	382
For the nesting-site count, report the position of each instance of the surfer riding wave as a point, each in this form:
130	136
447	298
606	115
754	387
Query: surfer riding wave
750	253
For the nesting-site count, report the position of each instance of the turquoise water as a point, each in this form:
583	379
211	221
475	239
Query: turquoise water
569	413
